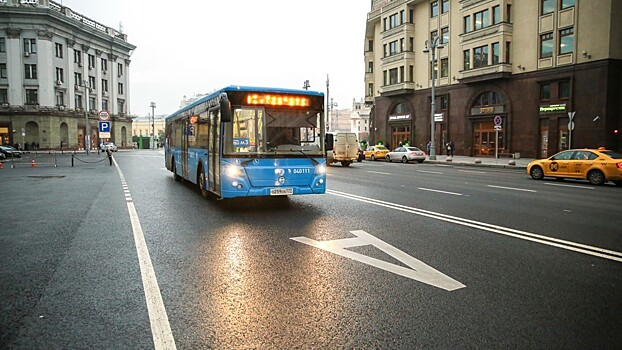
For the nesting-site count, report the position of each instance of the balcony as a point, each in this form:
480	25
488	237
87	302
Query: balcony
404	28
497	29
398	89
497	71
406	55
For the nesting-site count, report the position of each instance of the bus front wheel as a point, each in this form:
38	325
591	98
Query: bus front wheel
204	192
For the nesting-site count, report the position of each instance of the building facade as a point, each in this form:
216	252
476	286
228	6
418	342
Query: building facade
58	70
509	75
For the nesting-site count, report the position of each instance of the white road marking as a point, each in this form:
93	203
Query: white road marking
573	186
439	191
160	327
418	270
378	172
527	236
512	188
429	172
473	171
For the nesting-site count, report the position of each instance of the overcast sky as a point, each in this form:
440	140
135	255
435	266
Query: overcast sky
185	47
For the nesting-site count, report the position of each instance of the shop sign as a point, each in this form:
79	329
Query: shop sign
553	108
486	110
399	117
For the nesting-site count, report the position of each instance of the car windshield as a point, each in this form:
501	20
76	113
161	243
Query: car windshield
381	148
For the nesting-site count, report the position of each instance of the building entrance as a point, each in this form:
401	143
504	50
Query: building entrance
484	142
399	133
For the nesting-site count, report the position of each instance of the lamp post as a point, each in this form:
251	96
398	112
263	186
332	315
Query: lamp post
87	130
153	106
432	45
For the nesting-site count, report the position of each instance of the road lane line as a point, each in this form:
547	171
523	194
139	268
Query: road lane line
439	191
160	327
378	172
473	171
512	188
573	186
528	236
429	172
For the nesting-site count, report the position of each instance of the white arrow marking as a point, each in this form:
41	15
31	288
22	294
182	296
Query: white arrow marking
418	270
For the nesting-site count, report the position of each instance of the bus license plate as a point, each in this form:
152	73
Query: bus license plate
281	191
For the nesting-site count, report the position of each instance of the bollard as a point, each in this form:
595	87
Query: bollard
72	160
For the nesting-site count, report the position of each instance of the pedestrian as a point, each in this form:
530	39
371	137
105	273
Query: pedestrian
450	150
429	146
109	153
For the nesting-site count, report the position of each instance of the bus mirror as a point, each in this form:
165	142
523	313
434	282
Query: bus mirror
225	108
329	142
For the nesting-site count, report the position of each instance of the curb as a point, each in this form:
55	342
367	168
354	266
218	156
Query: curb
483	165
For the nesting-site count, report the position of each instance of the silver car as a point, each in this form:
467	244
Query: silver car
405	154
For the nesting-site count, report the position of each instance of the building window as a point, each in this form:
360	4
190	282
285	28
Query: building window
401	74
3	70
480	56
467	24
77	56
566	41
564	89
77	78
547	6
104	105
78	101
370	89
481	19
31	97
384	78
433	34
466	55
546	45
120	88
411	44
104	85
92	84
60	75
402	48
496	15
370	67
445	6
488	98
92	102
508	46
444	103
60	98
392	76
104	64
91	61
444	67
444	35
566	4
59	50
393	48
30	71
411	16
434	10
545	92
384	49
393	21
30	45
508	13
495	53
2	45
385	26
4	96
120	106
370	45
411	73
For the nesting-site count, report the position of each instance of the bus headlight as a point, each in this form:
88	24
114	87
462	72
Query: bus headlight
233	171
320	169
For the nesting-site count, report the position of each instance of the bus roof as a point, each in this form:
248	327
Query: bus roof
247	89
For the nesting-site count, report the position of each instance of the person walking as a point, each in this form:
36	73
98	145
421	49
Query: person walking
429	146
450	149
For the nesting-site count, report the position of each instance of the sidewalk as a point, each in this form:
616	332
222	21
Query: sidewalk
491	162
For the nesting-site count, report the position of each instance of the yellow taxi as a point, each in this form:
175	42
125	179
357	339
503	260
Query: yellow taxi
376	152
596	165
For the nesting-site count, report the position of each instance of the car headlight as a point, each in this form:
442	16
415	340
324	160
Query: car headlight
320	169
233	171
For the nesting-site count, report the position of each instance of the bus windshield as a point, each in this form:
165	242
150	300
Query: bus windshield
272	132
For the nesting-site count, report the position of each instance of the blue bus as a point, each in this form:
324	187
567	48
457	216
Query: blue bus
249	141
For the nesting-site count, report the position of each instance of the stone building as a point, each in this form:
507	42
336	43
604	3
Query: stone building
522	67
58	69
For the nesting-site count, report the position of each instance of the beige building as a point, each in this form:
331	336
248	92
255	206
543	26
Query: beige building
144	126
58	69
526	66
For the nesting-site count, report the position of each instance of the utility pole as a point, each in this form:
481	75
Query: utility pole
153	106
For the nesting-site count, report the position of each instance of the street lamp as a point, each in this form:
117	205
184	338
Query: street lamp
331	121
87	130
432	45
153	106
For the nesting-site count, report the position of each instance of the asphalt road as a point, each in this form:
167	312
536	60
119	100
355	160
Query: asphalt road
397	256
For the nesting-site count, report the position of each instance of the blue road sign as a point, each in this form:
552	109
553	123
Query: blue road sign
104	126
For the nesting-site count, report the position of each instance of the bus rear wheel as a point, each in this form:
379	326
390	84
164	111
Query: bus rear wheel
175	176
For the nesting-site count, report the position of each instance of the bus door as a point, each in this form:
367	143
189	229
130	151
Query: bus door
184	148
214	152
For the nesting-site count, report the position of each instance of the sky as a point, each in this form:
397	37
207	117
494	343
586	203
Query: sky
185	47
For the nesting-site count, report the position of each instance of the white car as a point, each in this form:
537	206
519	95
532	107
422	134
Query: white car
406	154
109	145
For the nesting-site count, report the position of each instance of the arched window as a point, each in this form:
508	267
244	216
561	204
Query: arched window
488	98
398	109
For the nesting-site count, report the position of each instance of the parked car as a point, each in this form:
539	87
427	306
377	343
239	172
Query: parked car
596	165
109	145
405	154
376	152
10	152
